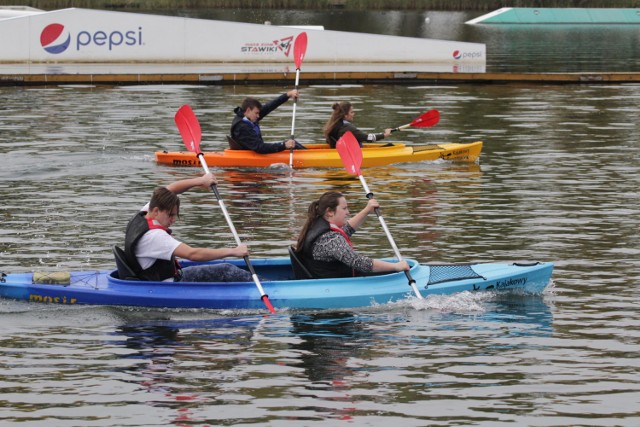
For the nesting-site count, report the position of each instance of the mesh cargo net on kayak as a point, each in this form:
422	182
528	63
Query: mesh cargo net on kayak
439	273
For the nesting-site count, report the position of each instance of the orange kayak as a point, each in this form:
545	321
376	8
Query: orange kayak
321	156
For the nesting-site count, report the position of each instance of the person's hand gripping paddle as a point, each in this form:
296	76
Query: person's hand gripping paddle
189	128
351	155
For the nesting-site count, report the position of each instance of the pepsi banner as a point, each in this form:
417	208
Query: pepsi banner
92	36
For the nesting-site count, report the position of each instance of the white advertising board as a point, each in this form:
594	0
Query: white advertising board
92	36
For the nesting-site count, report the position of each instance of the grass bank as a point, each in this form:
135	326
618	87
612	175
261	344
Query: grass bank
452	5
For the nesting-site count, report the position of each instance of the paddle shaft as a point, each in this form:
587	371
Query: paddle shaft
412	281
295	102
351	155
293	118
191	133
401	127
256	280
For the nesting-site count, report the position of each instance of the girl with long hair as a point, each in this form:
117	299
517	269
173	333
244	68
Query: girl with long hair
324	245
340	123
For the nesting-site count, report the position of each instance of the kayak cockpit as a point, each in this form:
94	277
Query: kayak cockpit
268	270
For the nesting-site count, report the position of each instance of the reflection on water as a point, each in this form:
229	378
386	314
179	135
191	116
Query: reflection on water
329	340
557	181
202	369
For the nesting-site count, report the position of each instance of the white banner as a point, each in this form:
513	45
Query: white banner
92	36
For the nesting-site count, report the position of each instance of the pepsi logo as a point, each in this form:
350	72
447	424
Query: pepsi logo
467	55
54	38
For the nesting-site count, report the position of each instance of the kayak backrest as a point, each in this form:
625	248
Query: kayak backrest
124	271
233	144
299	269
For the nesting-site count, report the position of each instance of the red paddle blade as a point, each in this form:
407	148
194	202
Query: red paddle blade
267	303
299	49
189	128
428	119
350	153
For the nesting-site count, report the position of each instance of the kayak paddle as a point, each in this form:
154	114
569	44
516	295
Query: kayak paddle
299	50
189	128
426	120
351	155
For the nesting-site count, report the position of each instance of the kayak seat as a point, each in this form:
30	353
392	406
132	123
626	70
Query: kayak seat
299	269
233	144
124	271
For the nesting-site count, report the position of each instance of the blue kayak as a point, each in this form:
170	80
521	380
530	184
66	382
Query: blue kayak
105	288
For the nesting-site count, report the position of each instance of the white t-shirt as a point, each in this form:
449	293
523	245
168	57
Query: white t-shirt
155	244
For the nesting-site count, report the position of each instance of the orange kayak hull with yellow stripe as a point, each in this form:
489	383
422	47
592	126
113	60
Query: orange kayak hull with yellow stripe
320	156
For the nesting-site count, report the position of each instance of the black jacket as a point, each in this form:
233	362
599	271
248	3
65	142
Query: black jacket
345	127
244	132
321	269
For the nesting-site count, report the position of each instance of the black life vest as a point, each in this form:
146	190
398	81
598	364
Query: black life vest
161	269
323	269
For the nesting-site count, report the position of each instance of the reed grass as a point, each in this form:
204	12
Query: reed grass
450	5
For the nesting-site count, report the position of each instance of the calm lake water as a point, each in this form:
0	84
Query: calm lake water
557	181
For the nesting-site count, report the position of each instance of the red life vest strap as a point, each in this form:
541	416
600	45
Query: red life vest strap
341	231
154	226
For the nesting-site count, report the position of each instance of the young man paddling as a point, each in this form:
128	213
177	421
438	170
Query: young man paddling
151	250
245	128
